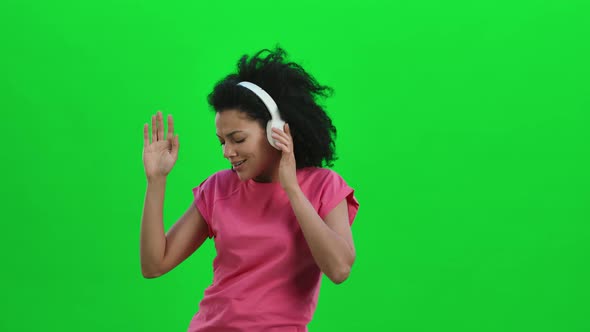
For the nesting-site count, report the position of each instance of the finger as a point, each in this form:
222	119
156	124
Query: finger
175	146
280	146
154	135
281	139
283	147
160	126
170	127
146	136
287	129
287	139
279	132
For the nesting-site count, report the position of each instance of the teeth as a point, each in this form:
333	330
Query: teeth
238	164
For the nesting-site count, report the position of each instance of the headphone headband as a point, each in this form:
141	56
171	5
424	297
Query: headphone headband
265	97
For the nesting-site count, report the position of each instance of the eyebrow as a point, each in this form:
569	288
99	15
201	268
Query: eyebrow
230	134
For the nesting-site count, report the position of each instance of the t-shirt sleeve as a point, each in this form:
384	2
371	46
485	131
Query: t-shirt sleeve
334	190
203	200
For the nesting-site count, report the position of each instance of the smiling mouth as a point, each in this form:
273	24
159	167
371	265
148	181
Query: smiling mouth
238	163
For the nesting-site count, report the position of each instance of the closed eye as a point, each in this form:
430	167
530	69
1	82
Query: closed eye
241	141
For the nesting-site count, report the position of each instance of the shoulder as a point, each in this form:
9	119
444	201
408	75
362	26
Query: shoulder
321	173
326	189
318	177
225	177
219	184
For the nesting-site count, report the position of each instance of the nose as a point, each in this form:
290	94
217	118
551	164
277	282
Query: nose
228	151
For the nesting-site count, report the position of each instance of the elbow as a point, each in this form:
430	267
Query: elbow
149	273
340	276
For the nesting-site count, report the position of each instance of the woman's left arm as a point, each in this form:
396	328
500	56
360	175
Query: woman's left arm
329	240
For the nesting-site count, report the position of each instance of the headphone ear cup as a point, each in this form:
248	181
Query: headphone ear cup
279	124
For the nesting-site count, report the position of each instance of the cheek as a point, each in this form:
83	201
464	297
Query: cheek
259	147
262	153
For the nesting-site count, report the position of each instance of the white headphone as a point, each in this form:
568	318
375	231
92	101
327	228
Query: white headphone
275	121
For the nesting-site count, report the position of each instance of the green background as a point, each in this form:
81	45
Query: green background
463	126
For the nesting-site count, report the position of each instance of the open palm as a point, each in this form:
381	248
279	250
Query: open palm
160	156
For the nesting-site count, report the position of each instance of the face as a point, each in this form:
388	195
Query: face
243	139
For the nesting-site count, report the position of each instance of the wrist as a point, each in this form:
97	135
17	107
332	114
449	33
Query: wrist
156	179
292	190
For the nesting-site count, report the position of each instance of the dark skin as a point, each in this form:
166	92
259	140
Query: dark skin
330	240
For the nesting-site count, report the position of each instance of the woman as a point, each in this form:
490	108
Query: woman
279	220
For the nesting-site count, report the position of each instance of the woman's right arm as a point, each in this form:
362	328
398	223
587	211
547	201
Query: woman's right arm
161	253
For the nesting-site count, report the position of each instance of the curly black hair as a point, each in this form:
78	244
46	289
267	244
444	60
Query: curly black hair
296	94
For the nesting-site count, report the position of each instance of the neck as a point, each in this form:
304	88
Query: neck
270	175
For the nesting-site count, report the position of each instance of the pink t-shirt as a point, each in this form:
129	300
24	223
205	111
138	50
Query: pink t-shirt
264	276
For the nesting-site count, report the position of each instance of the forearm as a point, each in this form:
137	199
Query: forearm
153	238
330	251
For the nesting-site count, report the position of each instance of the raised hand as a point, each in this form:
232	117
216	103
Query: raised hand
160	156
287	165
